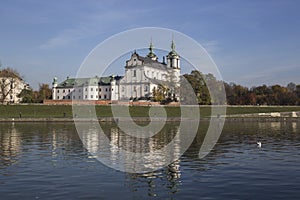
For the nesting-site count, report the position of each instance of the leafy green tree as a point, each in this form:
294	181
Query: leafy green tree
27	96
197	82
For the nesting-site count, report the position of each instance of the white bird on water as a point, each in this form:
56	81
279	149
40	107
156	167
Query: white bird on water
258	144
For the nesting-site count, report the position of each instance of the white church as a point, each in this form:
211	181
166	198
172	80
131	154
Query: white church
143	75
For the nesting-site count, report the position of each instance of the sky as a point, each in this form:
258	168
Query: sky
252	42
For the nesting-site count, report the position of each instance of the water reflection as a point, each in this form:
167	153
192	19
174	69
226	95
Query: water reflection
49	160
145	151
152	183
10	143
39	139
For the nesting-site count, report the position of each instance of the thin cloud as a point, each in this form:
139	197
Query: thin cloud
266	75
93	25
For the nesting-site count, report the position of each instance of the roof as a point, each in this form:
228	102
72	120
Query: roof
149	62
80	82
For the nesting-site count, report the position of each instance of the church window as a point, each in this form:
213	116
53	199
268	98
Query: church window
134	73
57	91
106	89
105	96
123	89
85	89
92	96
86	96
134	88
63	91
92	89
69	97
146	88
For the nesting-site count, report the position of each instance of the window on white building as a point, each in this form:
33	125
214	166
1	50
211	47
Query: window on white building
85	89
92	96
91	89
105	96
63	91
57	91
106	89
86	96
134	73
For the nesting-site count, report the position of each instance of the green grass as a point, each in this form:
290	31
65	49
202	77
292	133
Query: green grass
57	111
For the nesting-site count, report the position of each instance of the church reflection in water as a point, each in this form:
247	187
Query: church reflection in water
110	147
140	150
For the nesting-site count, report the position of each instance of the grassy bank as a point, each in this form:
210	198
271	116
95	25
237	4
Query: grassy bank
60	111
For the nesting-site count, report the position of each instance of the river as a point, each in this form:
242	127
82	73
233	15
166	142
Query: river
49	161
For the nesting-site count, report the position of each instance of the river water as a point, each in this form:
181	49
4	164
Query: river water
49	161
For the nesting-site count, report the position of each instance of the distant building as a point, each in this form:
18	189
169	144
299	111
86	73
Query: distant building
11	85
142	76
96	88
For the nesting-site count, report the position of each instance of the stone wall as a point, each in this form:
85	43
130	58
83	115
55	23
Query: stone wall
105	102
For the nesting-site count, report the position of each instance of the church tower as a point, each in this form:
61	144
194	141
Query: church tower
54	85
173	59
151	54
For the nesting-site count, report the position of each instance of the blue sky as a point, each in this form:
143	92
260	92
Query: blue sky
252	42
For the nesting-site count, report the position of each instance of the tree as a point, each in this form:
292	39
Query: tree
27	96
9	79
291	86
159	93
197	82
44	92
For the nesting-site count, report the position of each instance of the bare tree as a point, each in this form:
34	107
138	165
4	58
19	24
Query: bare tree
8	78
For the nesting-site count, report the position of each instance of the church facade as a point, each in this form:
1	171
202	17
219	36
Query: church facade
143	75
